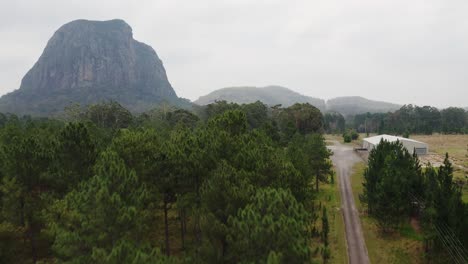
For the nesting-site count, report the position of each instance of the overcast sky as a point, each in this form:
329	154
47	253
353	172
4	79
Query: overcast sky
398	50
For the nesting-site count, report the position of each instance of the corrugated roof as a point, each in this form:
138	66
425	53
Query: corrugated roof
376	139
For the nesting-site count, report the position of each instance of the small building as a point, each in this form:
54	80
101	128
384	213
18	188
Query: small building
411	145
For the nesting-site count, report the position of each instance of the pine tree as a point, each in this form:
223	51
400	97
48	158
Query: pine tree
325	226
74	158
223	194
450	208
273	221
111	206
27	161
392	176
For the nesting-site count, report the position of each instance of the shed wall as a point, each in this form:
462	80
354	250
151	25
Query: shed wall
420	147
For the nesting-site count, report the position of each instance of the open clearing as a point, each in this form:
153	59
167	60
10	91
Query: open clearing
406	245
455	145
439	144
457	148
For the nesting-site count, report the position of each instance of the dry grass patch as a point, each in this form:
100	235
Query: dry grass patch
457	148
455	145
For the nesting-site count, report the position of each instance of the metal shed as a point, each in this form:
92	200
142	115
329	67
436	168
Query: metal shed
411	145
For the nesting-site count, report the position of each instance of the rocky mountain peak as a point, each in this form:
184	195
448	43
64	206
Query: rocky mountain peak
90	61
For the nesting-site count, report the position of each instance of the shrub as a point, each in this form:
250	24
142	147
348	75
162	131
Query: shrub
347	138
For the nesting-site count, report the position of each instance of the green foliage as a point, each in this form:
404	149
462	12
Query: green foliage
325	226
128	252
111	206
74	157
320	159
273	221
183	117
12	248
411	119
109	115
406	134
302	118
219	108
347	138
257	114
453	120
326	254
333	123
390	179
140	150
28	159
350	135
166	117
222	195
395	187
233	122
108	187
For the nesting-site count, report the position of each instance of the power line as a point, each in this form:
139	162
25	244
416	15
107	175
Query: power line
456	257
450	241
454	241
448	238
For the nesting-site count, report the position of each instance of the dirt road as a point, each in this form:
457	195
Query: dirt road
344	158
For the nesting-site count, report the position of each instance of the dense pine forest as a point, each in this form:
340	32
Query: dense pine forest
231	183
409	119
222	183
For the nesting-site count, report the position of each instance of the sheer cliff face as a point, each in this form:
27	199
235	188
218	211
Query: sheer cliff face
91	61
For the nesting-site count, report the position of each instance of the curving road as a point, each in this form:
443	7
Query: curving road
344	158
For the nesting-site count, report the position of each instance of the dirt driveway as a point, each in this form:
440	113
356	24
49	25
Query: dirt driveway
344	158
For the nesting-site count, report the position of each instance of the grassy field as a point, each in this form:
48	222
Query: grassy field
457	148
455	145
404	246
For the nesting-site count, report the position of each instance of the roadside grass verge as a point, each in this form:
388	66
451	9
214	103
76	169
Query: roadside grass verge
329	196
404	246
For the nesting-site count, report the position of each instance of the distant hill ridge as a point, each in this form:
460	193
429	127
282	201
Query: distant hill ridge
351	105
270	95
273	95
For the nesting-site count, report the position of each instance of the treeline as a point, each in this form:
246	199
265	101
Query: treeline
411	119
397	188
232	183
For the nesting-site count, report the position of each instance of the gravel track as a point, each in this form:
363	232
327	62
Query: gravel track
344	158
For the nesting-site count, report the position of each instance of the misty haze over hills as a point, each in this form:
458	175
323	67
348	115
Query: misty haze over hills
272	95
87	62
